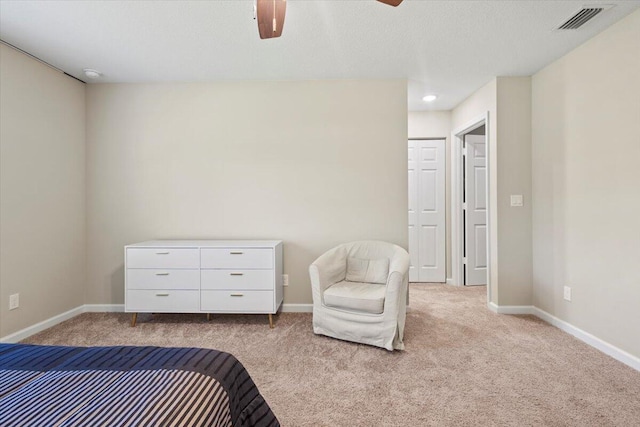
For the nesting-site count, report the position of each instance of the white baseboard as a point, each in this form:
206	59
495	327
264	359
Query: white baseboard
103	308
297	308
45	324
595	342
511	309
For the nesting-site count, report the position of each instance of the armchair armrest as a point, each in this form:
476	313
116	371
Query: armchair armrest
329	268
397	282
400	263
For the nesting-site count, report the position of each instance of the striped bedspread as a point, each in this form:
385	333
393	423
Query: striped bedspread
126	386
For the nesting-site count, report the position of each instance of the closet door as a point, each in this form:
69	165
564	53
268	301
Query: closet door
427	210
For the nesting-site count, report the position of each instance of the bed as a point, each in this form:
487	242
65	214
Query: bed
132	386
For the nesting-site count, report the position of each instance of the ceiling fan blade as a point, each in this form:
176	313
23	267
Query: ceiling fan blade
270	17
393	3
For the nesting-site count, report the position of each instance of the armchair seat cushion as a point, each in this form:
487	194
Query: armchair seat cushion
356	296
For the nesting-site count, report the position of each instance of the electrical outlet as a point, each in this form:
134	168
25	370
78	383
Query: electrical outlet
285	280
14	301
567	293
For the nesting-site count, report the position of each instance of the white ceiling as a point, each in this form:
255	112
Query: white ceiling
449	48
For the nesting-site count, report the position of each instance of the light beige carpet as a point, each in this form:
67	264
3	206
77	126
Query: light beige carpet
463	366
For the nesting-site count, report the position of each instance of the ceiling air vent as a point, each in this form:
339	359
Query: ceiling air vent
582	17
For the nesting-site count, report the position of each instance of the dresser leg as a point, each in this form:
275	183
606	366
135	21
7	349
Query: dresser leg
270	321
134	317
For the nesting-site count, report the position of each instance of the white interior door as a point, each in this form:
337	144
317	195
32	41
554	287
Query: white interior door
427	210
475	205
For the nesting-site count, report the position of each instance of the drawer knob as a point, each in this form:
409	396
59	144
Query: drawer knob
162	274
237	295
162	253
162	295
236	252
236	274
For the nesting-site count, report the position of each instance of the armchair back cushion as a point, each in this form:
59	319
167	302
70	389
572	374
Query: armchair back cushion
367	270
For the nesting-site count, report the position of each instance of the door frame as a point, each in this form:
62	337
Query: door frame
457	223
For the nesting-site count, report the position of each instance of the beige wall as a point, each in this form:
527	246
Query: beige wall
586	186
42	192
312	163
429	124
437	124
514	177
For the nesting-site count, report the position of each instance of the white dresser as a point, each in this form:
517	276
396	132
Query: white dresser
203	276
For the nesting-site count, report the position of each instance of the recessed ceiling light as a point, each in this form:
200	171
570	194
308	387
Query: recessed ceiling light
429	98
92	74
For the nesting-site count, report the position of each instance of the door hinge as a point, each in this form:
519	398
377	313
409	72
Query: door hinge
464	206
464	260
464	151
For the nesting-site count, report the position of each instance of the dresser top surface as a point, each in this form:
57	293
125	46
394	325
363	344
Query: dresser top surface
206	244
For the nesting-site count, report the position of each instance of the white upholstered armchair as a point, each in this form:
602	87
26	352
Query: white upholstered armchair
360	293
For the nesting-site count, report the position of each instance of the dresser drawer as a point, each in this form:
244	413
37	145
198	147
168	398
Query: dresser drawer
163	279
163	258
237	279
163	301
237	258
237	301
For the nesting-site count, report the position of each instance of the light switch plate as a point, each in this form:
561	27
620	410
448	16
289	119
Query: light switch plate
567	293
517	200
285	280
14	301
